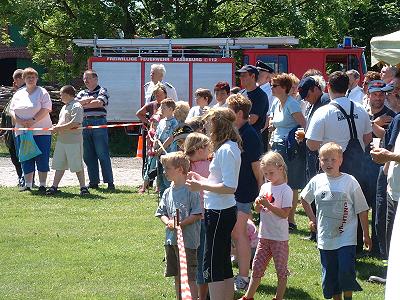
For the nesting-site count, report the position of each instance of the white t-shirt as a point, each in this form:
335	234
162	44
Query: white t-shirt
26	106
273	227
338	201
196	111
393	187
357	95
329	125
224	168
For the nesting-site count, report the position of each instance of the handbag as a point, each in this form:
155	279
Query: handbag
27	147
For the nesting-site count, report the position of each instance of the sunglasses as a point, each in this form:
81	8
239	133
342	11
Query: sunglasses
275	85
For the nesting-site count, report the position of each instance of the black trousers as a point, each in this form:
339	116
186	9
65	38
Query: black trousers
14	158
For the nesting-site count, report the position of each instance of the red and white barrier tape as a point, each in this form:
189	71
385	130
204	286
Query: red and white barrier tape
185	290
83	127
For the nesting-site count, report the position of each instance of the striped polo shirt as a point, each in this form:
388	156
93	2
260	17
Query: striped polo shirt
99	93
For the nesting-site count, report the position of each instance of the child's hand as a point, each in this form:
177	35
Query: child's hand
312	226
367	242
170	225
194	185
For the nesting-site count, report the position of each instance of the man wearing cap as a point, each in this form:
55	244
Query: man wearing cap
355	92
311	90
264	82
157	73
381	117
259	99
264	79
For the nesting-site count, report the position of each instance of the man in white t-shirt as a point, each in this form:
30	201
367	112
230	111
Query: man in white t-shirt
157	74
329	124
355	92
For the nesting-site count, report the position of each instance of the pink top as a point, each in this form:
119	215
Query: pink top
26	106
201	167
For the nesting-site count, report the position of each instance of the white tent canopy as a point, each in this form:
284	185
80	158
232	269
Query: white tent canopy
386	49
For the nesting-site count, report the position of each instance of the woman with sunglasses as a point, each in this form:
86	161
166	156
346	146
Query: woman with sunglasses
286	116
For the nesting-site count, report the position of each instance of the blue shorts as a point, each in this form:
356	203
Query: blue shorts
42	160
244	207
200	254
338	271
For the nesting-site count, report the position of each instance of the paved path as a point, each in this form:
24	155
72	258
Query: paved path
127	171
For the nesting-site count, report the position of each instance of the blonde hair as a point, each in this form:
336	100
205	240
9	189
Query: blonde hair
177	160
29	71
239	102
330	148
181	111
272	158
159	86
195	141
222	127
295	79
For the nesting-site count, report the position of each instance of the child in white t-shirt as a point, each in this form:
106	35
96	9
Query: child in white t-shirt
273	203
339	200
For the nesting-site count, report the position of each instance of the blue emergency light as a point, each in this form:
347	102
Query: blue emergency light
347	42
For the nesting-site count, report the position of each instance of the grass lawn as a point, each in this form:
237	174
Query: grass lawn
110	246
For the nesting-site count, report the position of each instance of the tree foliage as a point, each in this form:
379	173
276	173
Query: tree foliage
50	25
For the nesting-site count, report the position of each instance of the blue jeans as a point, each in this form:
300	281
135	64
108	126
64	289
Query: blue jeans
381	211
95	149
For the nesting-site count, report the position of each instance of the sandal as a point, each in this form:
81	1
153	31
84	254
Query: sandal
84	191
52	190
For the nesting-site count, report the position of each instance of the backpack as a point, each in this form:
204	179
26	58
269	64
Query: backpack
353	156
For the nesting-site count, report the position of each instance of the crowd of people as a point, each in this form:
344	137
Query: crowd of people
278	141
268	141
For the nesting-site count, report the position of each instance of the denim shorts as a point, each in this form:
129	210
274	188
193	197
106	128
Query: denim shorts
244	207
42	161
338	271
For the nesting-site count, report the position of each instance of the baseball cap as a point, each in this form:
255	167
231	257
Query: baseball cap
379	86
247	68
262	66
304	86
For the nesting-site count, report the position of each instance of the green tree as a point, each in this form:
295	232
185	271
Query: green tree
50	25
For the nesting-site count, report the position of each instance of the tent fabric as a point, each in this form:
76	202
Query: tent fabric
386	49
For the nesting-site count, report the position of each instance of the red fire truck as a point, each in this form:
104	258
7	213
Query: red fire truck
124	65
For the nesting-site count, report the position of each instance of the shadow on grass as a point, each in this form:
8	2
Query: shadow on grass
291	292
365	268
116	191
64	195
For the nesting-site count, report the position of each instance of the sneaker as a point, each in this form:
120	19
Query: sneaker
377	279
111	187
93	186
52	190
24	188
240	284
84	191
42	189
